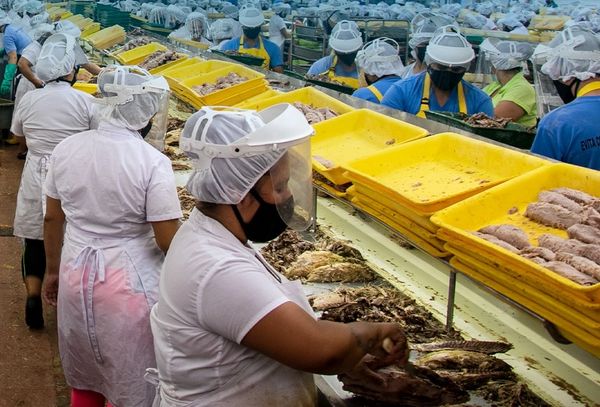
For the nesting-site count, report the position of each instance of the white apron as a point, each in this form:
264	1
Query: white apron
106	290
31	200
294	291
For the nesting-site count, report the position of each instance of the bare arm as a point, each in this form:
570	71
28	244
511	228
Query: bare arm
164	232
285	33
278	69
12	57
509	110
92	68
293	337
25	67
54	221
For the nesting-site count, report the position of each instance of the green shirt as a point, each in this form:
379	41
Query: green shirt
518	91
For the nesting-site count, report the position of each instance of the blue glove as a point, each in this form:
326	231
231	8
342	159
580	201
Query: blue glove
9	75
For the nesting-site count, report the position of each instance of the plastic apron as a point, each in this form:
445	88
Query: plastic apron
293	290
107	288
462	104
375	92
31	198
259	52
344	80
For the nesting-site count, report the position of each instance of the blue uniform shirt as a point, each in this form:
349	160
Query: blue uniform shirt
15	39
276	59
571	133
322	66
406	95
382	86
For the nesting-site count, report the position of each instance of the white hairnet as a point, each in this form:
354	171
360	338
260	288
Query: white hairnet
582	14
452	10
225	180
230	10
476	21
448	47
251	17
380	58
423	25
4	19
345	37
222	29
506	55
33	7
57	57
196	24
42	18
135	112
510	22
68	28
281	8
486	8
573	53
41	31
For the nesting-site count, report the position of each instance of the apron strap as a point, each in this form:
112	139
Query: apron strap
590	87
425	96
376	92
462	103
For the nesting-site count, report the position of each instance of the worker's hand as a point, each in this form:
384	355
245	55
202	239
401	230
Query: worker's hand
38	83
50	291
391	344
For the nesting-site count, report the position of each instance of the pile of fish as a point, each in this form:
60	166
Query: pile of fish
179	160
324	77
223	82
158	58
315	115
483	120
188	202
136	42
576	258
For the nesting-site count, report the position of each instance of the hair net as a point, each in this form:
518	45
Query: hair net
43	18
196	24
281	8
345	37
448	47
573	53
476	21
33	7
132	112
506	55
226	180
222	29
510	22
452	10
230	10
424	25
4	19
582	14
380	58
42	30
68	28
486	8
57	57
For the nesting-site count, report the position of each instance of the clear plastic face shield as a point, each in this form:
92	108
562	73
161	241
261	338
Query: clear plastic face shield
282	139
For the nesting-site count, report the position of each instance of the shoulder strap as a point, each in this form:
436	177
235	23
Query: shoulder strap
376	92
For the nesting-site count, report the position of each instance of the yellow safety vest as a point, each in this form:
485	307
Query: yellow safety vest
590	87
462	104
259	52
347	81
376	92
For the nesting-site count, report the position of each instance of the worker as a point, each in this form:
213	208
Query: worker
195	29
253	43
228	329
423	25
340	66
442	87
511	24
14	41
81	58
278	32
380	64
512	96
571	133
108	261
45	117
221	31
27	80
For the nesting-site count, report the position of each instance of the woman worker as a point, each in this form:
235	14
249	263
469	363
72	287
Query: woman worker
228	329
513	97
117	196
571	133
45	117
381	67
340	66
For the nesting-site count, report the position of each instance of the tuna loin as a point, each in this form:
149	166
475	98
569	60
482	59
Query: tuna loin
570	272
584	233
582	264
509	233
552	215
493	239
560	200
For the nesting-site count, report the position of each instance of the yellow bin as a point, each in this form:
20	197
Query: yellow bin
136	55
90	88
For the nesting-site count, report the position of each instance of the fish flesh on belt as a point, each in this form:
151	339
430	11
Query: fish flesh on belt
493	239
511	234
582	264
222	82
552	215
573	246
315	115
326	266
577	195
158	58
487	347
585	233
561	200
541	252
570	272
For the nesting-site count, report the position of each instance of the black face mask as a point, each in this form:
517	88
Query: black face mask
347	59
144	132
421	53
251	33
267	223
445	80
565	91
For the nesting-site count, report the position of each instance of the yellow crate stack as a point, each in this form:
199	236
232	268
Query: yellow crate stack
106	38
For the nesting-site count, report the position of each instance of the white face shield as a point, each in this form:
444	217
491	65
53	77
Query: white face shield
273	155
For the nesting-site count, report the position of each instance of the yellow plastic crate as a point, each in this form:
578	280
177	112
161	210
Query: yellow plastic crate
194	44
569	328
198	102
136	55
107	37
269	93
89	30
492	208
357	134
422	221
192	67
433	173
307	95
159	70
421	243
232	94
90	88
403	221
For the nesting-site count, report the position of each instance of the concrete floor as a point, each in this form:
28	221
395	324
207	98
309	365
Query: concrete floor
30	371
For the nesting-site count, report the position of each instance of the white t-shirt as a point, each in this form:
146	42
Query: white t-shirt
112	183
213	290
276	24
